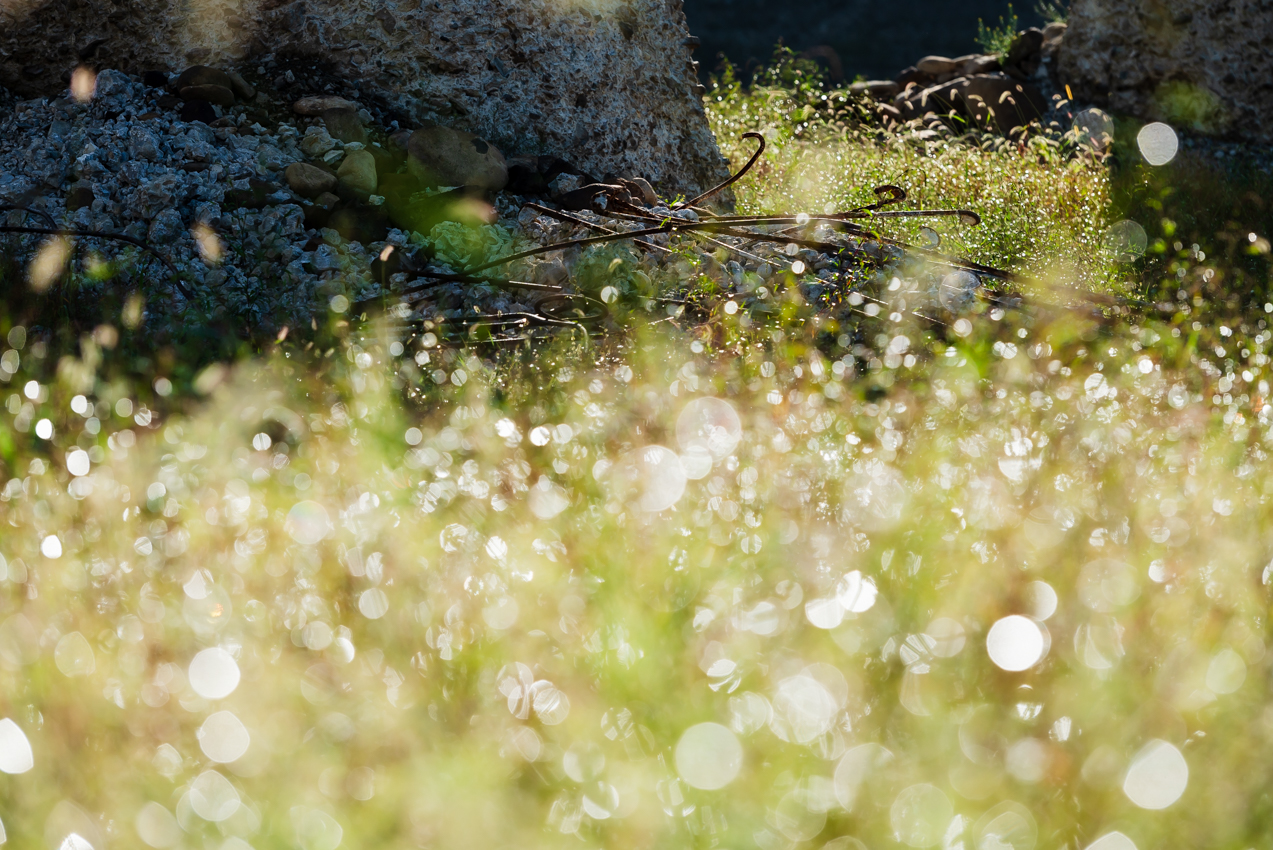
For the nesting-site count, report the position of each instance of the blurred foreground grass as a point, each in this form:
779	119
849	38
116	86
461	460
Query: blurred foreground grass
770	583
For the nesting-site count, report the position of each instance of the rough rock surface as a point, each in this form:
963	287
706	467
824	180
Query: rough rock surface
608	84
1202	64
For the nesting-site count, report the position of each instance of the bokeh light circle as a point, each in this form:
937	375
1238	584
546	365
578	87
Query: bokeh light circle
651	478
711	423
15	749
1015	643
708	756
223	737
213	673
1158	143
1112	841
157	827
1093	129
212	796
958	290
1126	241
308	523
855	769
1007	826
1158	775
920	814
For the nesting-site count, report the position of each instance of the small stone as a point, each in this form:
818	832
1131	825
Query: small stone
1025	54
344	124
550	273
1054	30
358	172
220	95
325	259
143	144
386	162
358	223
197	110
876	89
316	142
399	140
309	181
913	75
440	156
202	75
166	227
79	197
971	65
643	190
242	89
314	106
936	65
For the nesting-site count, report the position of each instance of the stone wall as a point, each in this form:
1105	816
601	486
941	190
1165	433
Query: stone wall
1205	65
608	84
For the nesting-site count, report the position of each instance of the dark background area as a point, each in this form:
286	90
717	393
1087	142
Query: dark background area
868	37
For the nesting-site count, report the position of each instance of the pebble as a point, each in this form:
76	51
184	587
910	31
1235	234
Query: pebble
877	89
440	156
242	89
343	124
936	65
309	181
315	106
358	172
220	95
317	142
202	75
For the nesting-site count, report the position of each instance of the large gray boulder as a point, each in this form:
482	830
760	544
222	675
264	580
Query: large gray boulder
609	85
1201	64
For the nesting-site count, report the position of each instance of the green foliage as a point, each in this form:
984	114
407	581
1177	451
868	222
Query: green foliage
610	265
998	39
1053	11
460	244
1191	106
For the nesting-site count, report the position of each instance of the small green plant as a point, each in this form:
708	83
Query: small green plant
1052	12
998	39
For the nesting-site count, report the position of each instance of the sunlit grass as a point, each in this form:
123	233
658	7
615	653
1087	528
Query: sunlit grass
767	581
1044	209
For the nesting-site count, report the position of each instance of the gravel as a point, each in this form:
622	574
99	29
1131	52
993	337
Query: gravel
157	178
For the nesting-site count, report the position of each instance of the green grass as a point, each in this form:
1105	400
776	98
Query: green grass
998	39
472	602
